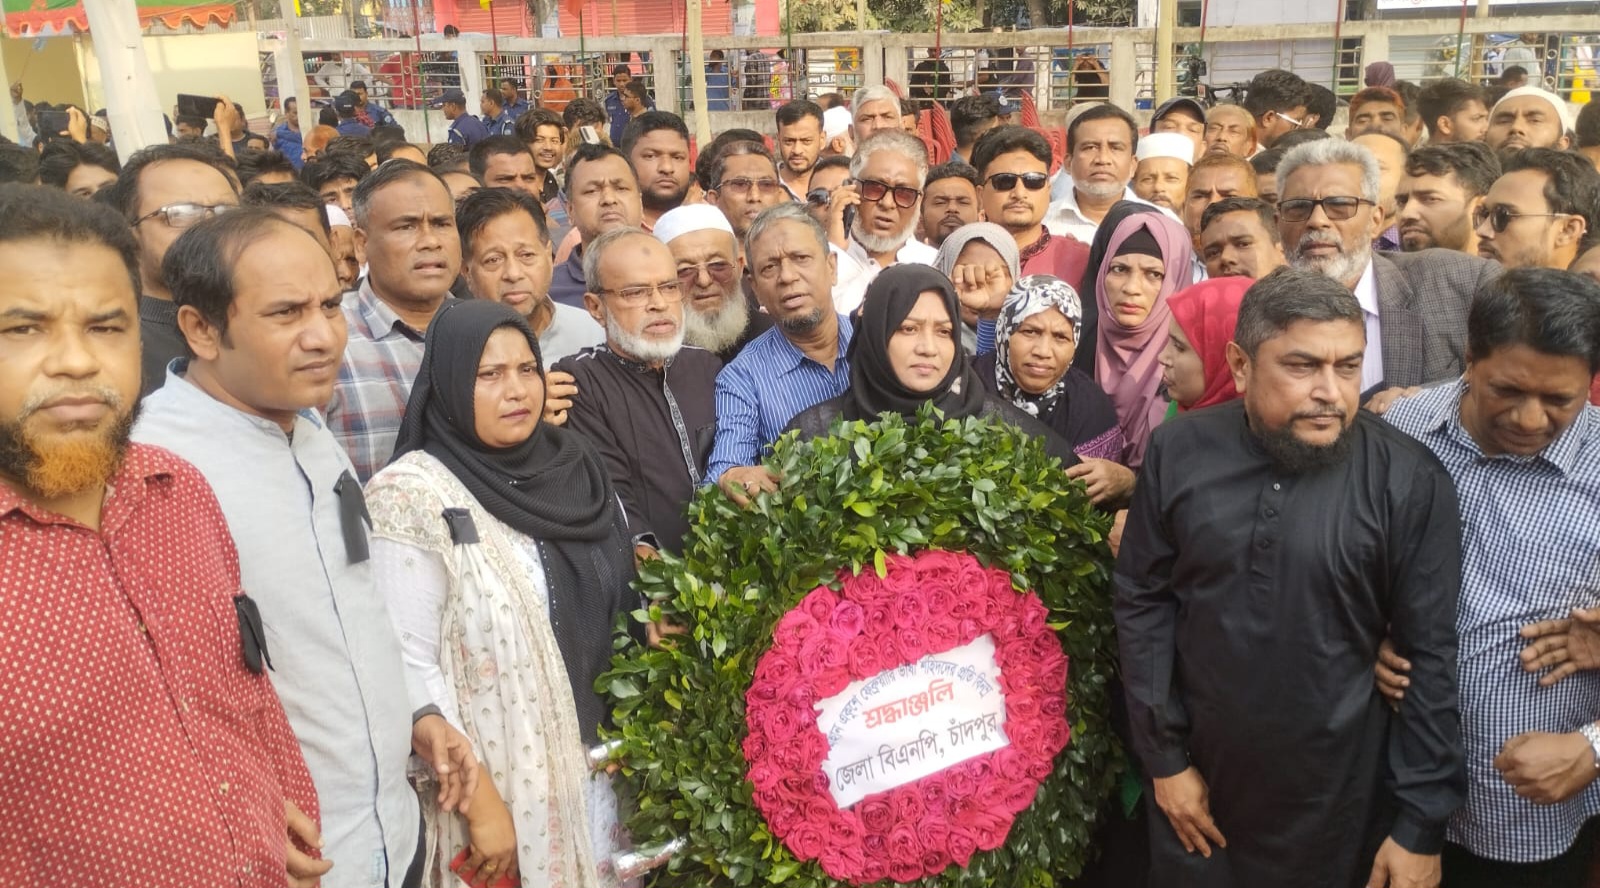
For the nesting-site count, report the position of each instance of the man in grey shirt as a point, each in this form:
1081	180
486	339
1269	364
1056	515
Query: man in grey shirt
258	306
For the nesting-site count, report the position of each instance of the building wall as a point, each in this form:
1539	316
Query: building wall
49	73
203	64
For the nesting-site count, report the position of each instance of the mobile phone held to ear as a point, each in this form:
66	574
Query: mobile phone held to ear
197	106
589	135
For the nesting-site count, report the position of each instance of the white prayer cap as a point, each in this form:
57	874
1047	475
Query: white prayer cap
1174	145
336	216
1563	112
690	217
835	122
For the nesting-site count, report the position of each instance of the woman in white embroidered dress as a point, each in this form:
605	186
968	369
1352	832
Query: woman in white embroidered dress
506	561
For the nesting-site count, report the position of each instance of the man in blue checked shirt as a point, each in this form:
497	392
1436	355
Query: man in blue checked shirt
1523	445
798	363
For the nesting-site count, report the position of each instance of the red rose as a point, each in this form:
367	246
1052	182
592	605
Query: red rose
962	844
933	792
910	610
935	835
911	644
777	669
905	852
763	777
823	651
876	845
876	814
1008	627
807	840
941	601
782	723
940	568
874	869
1020	705
1018	796
958	783
908	806
1053	706
981	768
1057	735
783	818
1054	677
990	837
967	631
1034	616
863	659
755	744
889	655
846	621
793	628
866	588
843	860
1010	764
819	603
941	634
1046	646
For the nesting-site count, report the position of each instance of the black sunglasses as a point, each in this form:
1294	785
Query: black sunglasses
1502	216
1338	208
818	197
1008	181
905	197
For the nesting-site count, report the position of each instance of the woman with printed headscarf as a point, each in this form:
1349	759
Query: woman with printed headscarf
905	354
1031	367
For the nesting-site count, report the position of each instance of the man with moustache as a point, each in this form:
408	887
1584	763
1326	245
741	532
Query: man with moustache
743	181
717	315
406	222
1100	146
1415	304
1239	238
143	742
887	175
802	361
260	314
949	201
501	161
1539	210
1215	177
872	110
1230	130
1013	163
1272	544
657	146
1529	117
505	257
1162	174
602	194
648	402
161	191
1439	197
799	144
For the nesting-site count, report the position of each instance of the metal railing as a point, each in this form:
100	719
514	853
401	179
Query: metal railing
747	77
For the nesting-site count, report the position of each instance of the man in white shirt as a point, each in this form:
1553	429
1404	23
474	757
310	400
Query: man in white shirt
258	306
1415	304
1100	161
887	175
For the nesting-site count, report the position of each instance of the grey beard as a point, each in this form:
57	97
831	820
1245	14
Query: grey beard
716	330
1100	191
803	323
873	243
640	349
1344	268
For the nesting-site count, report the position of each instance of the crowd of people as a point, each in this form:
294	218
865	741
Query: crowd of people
327	461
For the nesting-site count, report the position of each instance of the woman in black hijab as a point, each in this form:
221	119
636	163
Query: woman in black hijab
505	561
907	352
1122	209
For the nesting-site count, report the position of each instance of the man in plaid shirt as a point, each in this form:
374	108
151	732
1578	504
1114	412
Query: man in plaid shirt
405	217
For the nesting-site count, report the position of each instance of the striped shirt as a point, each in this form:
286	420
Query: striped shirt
1529	552
768	384
381	360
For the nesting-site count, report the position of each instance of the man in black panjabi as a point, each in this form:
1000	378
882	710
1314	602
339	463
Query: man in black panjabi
646	401
1271	544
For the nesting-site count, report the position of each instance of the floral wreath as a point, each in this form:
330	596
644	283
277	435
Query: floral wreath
999	532
920	607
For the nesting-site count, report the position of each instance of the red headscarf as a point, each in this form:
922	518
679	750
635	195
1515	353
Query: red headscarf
1207	313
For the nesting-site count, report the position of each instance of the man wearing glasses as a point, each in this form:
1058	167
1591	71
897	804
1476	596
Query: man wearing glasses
1013	163
1277	100
648	401
1539	210
1415	304
887	174
744	181
161	191
718	316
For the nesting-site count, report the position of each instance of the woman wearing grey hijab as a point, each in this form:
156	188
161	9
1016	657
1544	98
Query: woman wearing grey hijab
982	260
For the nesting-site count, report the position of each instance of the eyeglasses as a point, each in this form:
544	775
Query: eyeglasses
633	297
184	215
819	197
721	272
765	186
905	197
1502	216
1297	124
1337	208
1008	181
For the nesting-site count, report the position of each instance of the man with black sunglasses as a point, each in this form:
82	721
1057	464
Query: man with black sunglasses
1013	163
887	175
1539	210
1415	304
162	191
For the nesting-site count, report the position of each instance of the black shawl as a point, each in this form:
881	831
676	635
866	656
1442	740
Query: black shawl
552	487
874	386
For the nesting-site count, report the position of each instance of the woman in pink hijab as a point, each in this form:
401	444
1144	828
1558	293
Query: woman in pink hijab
1148	258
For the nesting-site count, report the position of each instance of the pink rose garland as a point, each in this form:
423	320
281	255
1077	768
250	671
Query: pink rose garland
924	605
